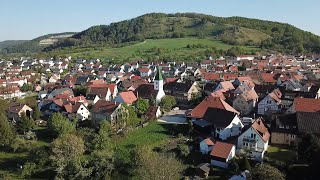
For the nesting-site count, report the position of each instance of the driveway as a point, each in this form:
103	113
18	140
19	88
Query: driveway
174	117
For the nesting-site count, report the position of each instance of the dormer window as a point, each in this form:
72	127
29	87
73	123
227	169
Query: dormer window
281	126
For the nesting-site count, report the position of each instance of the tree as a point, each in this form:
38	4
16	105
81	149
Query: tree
102	163
267	172
245	165
309	146
88	135
80	90
36	113
167	103
26	123
26	87
59	124
4	104
184	150
7	132
66	153
142	105
102	141
152	165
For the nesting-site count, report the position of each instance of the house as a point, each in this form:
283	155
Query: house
54	78
225	86
284	130
305	105
15	110
82	80
246	102
239	80
202	170
288	129
152	91
221	154
65	91
126	97
106	110
220	123
78	111
292	85
271	103
153	113
96	94
254	140
145	72
206	145
209	102
182	91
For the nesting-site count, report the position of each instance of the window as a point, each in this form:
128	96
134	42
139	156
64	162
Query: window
287	127
231	129
253	136
281	126
292	136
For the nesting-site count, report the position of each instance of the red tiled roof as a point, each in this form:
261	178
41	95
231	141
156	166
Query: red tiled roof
221	150
306	105
268	78
262	130
229	76
72	108
209	142
213	102
135	78
111	87
168	80
128	97
104	107
144	70
211	76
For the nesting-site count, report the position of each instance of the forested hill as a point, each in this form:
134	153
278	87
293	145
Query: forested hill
37	44
232	30
9	43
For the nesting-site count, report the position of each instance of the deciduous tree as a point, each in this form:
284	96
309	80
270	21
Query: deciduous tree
267	172
60	124
152	165
7	132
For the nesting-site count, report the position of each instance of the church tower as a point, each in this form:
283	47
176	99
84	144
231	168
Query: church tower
158	80
158	85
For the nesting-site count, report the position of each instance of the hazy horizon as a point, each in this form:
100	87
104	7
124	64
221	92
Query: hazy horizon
36	18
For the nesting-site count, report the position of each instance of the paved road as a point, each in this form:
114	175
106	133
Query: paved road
174	117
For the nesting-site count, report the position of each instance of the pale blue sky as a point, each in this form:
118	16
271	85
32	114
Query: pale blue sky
27	19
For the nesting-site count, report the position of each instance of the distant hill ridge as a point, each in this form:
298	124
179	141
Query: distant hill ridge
37	44
231	30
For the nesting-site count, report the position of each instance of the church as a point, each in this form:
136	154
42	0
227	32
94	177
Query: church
152	91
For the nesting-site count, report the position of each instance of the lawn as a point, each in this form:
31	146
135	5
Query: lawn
9	162
9	159
153	135
175	47
281	153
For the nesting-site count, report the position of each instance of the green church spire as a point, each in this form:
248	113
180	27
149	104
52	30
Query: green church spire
158	74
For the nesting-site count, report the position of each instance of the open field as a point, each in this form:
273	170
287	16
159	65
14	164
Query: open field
175	48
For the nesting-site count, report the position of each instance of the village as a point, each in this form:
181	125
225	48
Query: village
236	107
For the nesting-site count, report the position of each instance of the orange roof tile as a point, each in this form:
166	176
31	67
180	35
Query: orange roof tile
221	150
213	102
306	105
